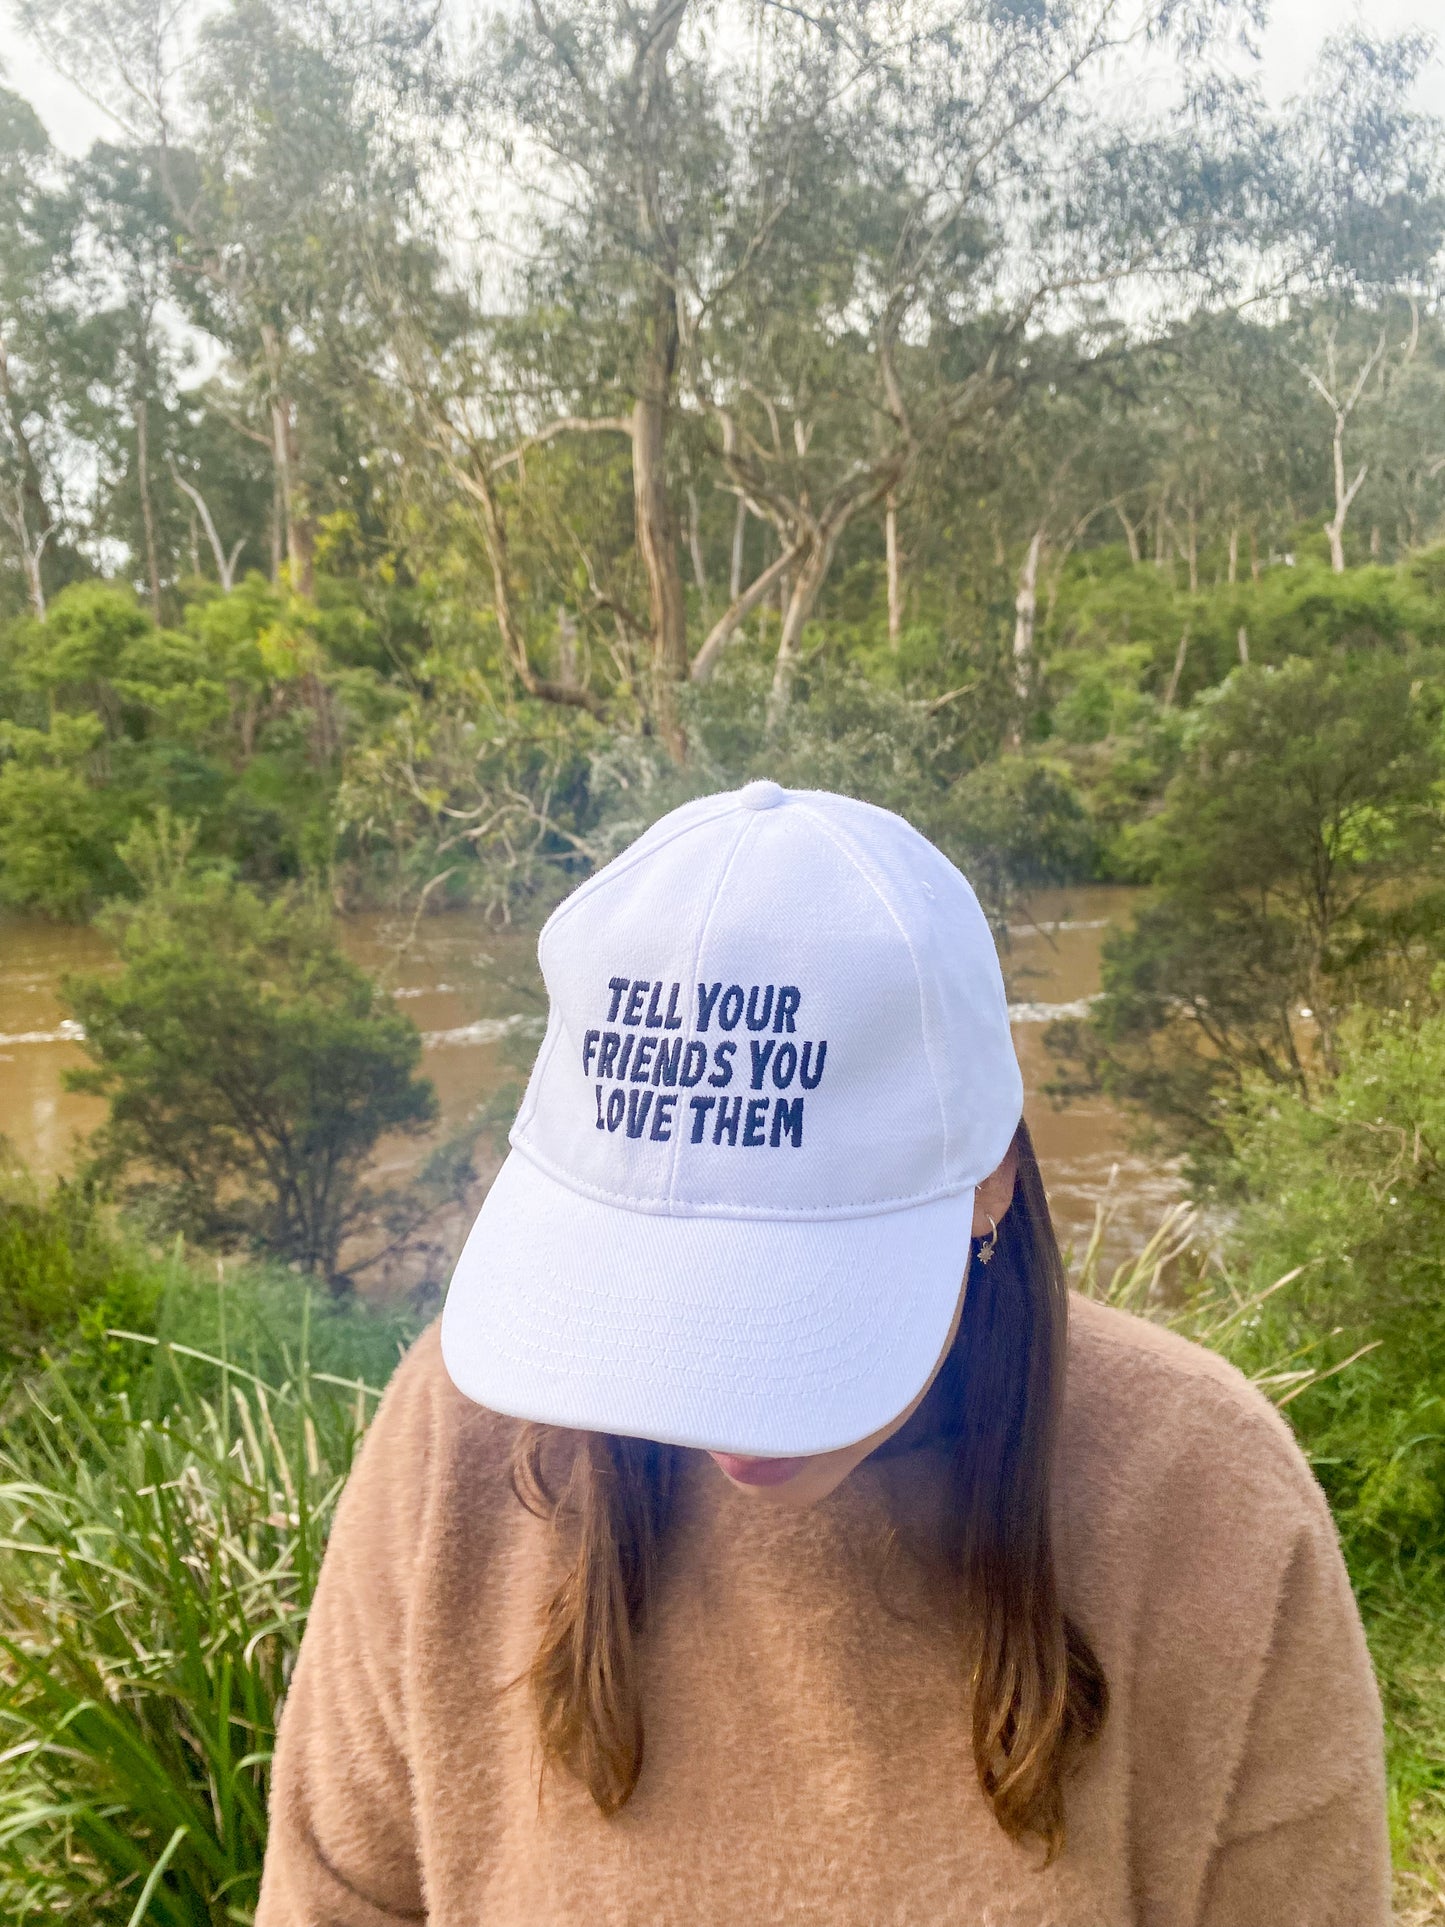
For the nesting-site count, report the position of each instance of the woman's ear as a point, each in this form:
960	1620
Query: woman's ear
994	1196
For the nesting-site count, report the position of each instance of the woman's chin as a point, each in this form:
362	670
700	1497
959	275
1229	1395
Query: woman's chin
757	1472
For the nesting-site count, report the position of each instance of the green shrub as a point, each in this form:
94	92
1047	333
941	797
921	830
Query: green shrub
61	1270
1295	862
250	1067
1349	1190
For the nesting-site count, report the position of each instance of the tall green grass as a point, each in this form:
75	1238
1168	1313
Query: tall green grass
1367	1411
155	1575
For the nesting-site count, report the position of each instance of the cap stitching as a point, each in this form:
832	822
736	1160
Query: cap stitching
627	860
844	845
750	821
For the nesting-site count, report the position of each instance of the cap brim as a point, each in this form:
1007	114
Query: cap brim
766	1337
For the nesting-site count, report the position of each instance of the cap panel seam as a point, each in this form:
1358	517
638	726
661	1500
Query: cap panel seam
844	845
750	822
625	861
588	889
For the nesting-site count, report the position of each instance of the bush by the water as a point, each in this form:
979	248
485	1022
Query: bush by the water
250	1066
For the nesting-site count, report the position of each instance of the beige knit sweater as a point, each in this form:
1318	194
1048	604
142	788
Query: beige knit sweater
808	1756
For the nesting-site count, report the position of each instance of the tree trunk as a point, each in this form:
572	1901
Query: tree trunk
1254	565
735	565
895	598
1026	603
736	613
1242	640
25	511
147	508
1233	554
300	533
1344	496
694	544
278	527
808	581
477	482
656	525
1131	534
1191	552
225	565
1178	670
31	549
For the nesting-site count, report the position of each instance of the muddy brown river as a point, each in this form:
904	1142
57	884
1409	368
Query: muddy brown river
476	997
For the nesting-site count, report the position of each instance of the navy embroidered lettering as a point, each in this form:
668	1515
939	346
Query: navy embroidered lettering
789	997
694	1063
640	1055
669	1056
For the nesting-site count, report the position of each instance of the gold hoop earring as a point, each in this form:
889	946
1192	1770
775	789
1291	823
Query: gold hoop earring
989	1245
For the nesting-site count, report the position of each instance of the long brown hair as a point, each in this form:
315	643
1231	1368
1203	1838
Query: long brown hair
1038	1691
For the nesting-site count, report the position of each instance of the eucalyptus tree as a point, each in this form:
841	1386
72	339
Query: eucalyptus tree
39	345
280	140
622	159
971	189
129	233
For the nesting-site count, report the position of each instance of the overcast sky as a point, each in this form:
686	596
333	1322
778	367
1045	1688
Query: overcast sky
1289	46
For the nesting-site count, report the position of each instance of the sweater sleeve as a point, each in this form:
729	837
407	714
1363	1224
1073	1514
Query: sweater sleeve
1304	1841
342	1849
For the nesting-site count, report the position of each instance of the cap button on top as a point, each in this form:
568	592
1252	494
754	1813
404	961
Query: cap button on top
762	795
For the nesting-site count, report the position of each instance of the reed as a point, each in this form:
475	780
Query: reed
155	1576
1174	1280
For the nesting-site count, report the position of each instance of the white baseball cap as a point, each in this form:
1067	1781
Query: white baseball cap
737	1208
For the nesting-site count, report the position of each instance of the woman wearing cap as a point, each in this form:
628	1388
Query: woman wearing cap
741	1550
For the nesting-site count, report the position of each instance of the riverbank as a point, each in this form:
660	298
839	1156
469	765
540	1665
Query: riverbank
476	996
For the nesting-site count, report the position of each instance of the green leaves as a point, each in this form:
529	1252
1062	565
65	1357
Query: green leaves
154	1582
1294	862
250	1068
